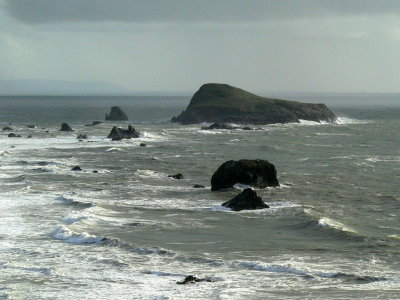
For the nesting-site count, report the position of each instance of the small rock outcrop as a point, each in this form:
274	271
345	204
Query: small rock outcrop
13	135
116	114
31	126
66	127
82	136
257	173
222	103
76	168
118	134
247	199
7	128
176	176
94	123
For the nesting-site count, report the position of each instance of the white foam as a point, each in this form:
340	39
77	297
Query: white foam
220	208
345	121
65	234
113	149
311	123
270	268
383	159
149	173
240	186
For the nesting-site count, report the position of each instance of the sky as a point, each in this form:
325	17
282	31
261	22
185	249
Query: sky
178	45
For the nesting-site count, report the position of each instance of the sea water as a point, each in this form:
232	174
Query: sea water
128	231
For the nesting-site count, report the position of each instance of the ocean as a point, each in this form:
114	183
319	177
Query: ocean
128	231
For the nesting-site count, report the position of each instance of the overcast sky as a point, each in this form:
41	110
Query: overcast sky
177	45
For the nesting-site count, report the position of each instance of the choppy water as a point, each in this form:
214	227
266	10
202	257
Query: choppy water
131	232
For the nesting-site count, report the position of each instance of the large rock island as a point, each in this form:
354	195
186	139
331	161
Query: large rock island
223	103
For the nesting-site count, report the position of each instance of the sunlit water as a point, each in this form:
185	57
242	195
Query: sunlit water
131	232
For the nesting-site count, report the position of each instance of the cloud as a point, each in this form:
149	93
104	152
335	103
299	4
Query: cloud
187	11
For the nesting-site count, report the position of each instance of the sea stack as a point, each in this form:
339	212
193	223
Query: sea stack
222	103
116	114
66	127
256	173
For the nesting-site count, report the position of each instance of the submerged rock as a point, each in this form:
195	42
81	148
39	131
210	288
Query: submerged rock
77	168
142	145
95	123
222	103
198	186
82	136
247	199
257	173
218	126
7	128
30	126
177	176
193	279
116	114
118	133
66	127
29	137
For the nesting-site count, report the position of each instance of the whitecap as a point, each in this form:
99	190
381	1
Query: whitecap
345	121
113	149
328	222
240	186
219	208
65	234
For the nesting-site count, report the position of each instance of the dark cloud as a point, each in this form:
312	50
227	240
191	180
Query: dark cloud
219	11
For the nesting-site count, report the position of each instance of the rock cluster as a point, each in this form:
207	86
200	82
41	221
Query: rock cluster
118	134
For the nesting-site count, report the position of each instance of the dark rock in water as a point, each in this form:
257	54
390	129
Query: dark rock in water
7	128
247	199
82	136
66	127
31	126
222	103
142	145
193	279
47	131
94	123
29	137
257	173
247	128
95	171
198	186
116	114
13	135
118	134
177	176
218	126
77	168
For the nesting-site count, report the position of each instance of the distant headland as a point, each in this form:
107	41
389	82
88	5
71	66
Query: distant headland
223	103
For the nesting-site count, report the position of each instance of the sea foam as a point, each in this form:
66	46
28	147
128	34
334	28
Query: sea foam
65	234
